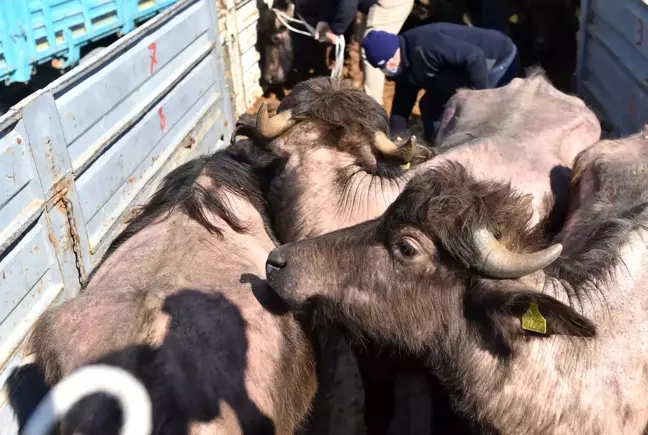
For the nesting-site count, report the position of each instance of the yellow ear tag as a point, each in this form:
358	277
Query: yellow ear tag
513	19
533	321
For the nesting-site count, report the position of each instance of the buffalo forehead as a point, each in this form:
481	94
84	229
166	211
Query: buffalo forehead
519	100
518	133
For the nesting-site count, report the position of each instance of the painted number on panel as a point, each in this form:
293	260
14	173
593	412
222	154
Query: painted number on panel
162	119
153	56
639	32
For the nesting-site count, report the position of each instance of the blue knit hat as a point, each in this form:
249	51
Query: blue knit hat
379	47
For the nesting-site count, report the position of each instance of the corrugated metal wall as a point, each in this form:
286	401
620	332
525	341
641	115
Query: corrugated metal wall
612	71
76	157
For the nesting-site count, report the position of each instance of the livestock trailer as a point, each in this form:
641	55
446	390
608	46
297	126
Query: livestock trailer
612	67
33	32
78	155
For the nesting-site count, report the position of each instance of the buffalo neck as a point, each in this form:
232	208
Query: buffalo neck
597	379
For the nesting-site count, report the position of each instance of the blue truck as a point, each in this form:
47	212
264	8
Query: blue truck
34	32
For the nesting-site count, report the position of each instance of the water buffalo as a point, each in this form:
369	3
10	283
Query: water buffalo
559	346
274	43
278	45
180	301
340	169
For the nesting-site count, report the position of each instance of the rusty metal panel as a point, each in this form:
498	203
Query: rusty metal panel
48	148
31	282
37	261
21	195
47	143
612	70
79	155
126	119
30	272
112	182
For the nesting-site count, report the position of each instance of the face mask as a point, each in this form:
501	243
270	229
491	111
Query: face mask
391	72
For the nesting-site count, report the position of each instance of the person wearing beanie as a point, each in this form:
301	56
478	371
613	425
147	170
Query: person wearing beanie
387	15
440	58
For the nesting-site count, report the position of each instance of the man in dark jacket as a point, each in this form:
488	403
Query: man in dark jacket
439	58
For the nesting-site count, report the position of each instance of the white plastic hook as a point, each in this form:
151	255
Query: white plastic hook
130	393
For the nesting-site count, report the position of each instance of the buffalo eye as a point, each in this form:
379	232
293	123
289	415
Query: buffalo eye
407	248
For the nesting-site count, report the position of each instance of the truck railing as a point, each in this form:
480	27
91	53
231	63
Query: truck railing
79	155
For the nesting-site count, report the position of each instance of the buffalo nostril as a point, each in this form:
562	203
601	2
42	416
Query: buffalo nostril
276	259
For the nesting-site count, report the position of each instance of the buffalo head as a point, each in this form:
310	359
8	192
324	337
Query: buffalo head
336	158
274	41
431	267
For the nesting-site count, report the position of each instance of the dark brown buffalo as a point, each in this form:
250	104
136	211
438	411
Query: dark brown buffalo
340	169
274	43
336	115
288	57
180	302
453	267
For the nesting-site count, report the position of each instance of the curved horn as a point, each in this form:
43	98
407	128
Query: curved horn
273	127
499	262
130	392
405	152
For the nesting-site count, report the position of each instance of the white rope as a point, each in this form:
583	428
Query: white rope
130	393
339	57
284	18
339	40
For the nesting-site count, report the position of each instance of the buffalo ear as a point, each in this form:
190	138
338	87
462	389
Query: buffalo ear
498	307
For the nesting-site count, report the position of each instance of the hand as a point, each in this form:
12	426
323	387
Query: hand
323	33
331	37
321	28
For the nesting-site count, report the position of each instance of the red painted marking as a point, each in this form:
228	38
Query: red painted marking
640	32
153	49
162	119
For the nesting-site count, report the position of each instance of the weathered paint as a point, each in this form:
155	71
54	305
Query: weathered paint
79	155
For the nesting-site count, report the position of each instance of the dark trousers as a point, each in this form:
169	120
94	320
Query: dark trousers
432	104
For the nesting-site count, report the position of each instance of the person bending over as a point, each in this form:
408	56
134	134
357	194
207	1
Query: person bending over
440	58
